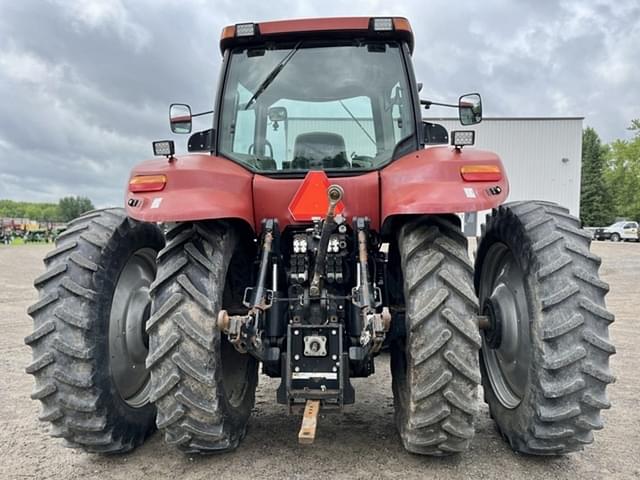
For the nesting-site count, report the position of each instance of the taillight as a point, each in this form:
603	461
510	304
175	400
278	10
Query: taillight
481	173
147	183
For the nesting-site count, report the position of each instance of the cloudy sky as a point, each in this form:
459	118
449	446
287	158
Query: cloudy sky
85	84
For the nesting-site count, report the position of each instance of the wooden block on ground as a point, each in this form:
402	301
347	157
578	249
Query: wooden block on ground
307	433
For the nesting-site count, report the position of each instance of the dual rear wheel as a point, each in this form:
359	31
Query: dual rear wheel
123	340
544	356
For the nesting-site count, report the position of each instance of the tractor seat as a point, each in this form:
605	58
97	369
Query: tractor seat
317	150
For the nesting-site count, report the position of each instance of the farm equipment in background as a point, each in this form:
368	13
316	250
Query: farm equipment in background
316	221
36	235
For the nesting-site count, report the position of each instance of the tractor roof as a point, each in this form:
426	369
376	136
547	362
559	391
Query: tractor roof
397	28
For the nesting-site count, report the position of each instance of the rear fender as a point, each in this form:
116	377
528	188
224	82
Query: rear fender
429	182
199	187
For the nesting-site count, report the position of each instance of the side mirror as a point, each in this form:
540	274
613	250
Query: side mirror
470	109
180	118
435	134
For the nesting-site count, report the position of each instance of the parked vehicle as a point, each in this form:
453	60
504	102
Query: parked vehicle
619	231
301	246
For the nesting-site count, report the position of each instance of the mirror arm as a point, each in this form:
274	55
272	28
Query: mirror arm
201	113
428	103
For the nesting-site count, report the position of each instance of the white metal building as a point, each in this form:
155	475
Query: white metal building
542	156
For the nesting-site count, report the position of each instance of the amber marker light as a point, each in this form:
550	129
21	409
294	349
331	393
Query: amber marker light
402	24
228	32
481	173
147	183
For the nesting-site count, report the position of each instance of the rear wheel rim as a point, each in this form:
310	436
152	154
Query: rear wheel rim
506	345
128	341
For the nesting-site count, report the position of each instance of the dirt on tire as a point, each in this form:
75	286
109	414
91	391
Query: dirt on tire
71	359
435	371
187	353
568	370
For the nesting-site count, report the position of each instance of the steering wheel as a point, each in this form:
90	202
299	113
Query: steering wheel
252	148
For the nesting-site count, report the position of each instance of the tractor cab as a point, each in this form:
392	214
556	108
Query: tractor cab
294	100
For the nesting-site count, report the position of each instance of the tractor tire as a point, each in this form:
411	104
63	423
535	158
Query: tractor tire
95	288
545	355
203	388
435	372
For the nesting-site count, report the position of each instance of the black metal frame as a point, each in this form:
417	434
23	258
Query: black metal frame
345	312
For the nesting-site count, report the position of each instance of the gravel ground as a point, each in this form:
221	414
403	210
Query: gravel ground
361	443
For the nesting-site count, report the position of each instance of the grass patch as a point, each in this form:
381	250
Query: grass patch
16	242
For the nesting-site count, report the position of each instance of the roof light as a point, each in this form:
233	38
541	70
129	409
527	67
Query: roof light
147	183
383	24
245	29
462	138
481	173
164	148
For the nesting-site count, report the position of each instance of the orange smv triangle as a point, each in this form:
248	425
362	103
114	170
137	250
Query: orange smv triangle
311	198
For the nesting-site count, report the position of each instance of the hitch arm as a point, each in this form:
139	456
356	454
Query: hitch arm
258	300
242	330
374	325
335	193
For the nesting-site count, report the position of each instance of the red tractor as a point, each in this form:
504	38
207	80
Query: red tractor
316	224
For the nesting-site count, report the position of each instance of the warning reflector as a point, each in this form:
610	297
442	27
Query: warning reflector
311	198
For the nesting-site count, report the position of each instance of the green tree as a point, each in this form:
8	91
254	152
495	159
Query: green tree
595	198
623	174
50	213
42	212
72	207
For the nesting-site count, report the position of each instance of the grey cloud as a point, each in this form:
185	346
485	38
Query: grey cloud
85	85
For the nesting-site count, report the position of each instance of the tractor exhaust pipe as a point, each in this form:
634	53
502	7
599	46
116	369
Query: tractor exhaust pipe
335	194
